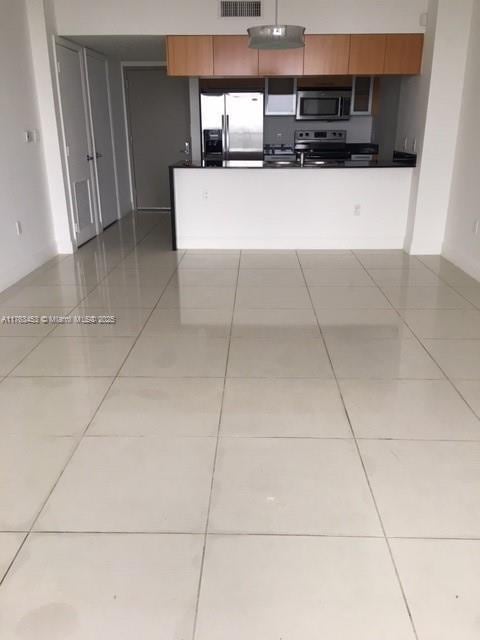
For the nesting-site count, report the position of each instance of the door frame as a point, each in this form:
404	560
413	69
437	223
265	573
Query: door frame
73	46
94	54
131	172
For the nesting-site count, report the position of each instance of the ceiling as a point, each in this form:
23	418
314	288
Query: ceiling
126	48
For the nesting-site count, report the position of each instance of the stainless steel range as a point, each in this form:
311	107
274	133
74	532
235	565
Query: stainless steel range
278	153
322	147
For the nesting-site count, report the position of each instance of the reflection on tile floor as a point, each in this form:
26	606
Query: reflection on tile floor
265	444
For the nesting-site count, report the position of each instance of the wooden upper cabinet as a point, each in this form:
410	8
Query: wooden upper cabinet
367	54
326	55
332	55
190	55
285	62
403	54
232	56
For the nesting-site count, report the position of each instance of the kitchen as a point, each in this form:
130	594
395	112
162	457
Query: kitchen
273	431
338	112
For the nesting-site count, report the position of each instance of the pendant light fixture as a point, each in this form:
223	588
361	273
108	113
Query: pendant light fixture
276	36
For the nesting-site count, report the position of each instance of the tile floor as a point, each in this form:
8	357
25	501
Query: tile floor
264	445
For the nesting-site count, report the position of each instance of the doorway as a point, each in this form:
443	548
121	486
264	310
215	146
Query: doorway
77	145
102	139
158	117
88	149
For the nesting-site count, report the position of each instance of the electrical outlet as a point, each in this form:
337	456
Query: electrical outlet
414	145
18	227
405	144
476	227
357	210
205	195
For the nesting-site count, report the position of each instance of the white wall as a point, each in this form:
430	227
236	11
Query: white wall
144	17
115	76
291	208
195	122
412	113
41	23
414	92
461	245
433	113
23	188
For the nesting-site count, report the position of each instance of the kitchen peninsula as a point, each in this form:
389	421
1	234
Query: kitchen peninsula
297	149
251	205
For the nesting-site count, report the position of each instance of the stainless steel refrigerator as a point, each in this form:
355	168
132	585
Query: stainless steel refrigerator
238	117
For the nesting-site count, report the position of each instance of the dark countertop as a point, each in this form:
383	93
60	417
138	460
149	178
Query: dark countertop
260	164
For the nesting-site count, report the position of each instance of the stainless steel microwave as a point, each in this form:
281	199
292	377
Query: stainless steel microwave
331	104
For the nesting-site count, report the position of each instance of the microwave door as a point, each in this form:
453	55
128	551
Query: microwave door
319	107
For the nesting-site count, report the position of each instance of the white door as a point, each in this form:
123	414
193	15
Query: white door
96	67
79	154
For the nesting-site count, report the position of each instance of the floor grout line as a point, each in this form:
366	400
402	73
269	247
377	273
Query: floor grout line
43	338
231	534
206	533
367	479
214	465
79	439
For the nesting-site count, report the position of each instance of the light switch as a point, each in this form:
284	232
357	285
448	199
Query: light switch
31	135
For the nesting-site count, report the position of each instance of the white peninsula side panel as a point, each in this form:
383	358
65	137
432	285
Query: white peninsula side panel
360	208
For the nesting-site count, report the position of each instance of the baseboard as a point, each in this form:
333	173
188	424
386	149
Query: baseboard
290	243
464	262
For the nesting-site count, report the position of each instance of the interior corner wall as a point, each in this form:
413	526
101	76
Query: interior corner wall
462	244
41	23
115	78
439	96
386	118
23	189
195	123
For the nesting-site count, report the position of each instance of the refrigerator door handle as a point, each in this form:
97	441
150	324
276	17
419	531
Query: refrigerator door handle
224	138
227	137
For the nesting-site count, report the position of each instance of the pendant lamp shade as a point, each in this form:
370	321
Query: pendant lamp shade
276	36
269	36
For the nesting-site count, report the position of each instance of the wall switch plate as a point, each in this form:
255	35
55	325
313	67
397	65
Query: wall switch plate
405	144
357	210
18	227
31	136
423	19
414	145
476	227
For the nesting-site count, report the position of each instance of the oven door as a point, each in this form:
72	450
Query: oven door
312	105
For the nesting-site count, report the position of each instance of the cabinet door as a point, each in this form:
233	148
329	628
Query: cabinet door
190	55
404	53
287	62
362	94
367	55
326	55
232	56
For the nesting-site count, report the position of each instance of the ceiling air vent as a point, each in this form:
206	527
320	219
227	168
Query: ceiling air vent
240	8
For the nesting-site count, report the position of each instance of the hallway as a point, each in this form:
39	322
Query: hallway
263	445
